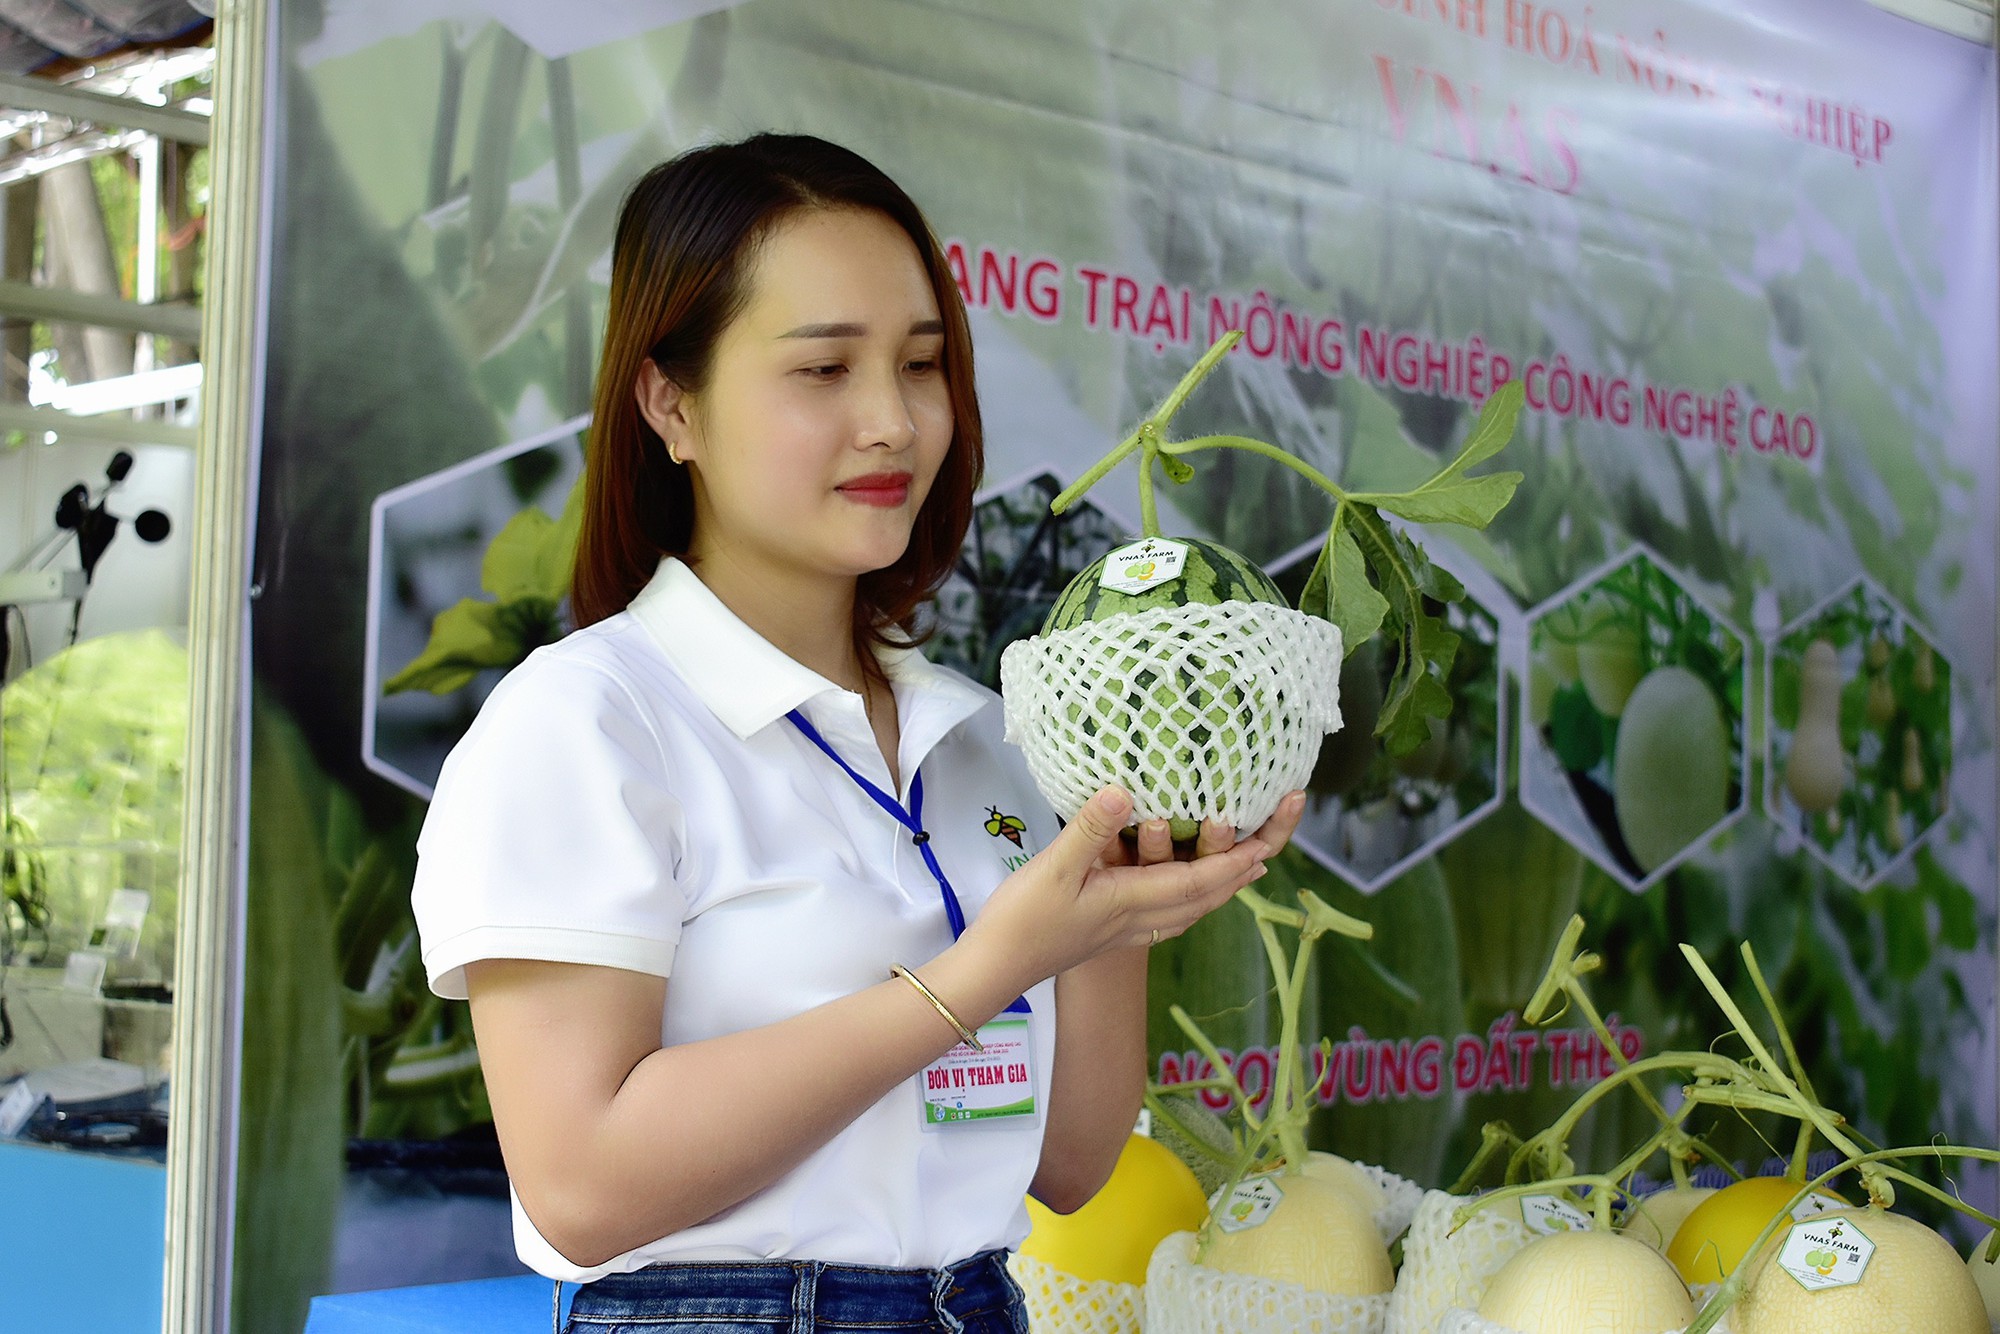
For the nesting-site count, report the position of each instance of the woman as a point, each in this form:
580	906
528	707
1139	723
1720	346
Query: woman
678	855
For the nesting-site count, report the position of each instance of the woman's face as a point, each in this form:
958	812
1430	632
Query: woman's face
826	415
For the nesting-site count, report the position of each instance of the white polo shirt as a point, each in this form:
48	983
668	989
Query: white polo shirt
634	797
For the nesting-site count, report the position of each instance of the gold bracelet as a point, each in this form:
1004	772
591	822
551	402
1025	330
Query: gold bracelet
965	1034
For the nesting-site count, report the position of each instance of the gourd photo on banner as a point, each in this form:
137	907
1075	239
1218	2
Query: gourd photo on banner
774	951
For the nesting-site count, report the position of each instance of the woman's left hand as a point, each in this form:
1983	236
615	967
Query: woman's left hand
1154	843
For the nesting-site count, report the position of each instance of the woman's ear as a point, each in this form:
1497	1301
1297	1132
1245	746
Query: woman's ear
665	407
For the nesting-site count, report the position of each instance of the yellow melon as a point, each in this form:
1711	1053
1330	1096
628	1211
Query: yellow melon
1713	1239
1150	1194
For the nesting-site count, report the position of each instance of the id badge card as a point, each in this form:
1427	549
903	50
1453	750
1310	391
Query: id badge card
992	1087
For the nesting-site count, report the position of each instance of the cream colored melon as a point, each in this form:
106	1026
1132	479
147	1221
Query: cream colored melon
1656	1218
1587	1283
1345	1173
1986	1276
1914	1284
1319	1236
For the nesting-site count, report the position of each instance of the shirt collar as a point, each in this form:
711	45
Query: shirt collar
747	682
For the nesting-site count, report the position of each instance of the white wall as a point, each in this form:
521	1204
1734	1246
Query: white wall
137	584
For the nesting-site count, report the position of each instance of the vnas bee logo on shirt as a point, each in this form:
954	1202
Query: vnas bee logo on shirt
1010	827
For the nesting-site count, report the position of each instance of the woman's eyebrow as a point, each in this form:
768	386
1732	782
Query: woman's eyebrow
857	330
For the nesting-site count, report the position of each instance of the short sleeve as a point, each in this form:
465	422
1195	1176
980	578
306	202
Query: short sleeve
551	834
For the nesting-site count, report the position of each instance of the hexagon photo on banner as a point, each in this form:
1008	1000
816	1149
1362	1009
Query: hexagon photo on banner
1371	816
1634	746
1858	733
468	573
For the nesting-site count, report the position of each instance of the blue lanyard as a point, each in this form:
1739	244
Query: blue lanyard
912	820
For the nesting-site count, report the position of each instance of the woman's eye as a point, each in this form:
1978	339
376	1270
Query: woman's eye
826	372
922	365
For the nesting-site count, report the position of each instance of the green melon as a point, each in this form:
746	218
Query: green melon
1210	708
1212	574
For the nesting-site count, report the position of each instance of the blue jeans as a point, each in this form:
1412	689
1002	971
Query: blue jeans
975	1296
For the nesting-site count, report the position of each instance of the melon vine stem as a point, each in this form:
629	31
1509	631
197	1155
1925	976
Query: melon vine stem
1808	1108
1289	1092
1175	448
1149	435
1802	1151
1150	440
1604	1193
1549	1149
1495	1138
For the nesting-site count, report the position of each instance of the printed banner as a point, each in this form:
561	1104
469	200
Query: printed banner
1726	671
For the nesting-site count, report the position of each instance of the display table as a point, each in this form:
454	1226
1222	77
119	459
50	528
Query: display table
519	1305
86	1239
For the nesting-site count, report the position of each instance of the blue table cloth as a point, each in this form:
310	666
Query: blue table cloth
518	1305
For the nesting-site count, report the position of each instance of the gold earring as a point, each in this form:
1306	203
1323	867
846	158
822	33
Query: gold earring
673	452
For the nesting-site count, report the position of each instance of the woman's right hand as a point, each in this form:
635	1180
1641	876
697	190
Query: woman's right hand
1072	902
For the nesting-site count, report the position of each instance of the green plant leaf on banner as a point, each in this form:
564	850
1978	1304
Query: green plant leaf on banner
1576	729
490	180
527	567
532	555
1958	910
466	639
577	244
1415	949
290	1134
512	565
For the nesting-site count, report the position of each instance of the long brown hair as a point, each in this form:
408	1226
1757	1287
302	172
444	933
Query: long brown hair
680	268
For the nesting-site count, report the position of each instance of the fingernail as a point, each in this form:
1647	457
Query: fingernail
1261	871
1262	849
1156	826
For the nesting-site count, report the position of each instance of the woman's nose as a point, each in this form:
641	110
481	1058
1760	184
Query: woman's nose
886	418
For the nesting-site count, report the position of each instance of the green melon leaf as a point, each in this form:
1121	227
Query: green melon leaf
1471	501
1338	590
1452	497
1489	434
1408	581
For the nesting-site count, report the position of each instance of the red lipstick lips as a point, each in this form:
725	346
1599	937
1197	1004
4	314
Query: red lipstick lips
886	489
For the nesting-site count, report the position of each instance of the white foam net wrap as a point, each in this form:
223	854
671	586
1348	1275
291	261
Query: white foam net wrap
1458	1320
1401	1206
1443	1269
1061	1304
1183	1297
1199	711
